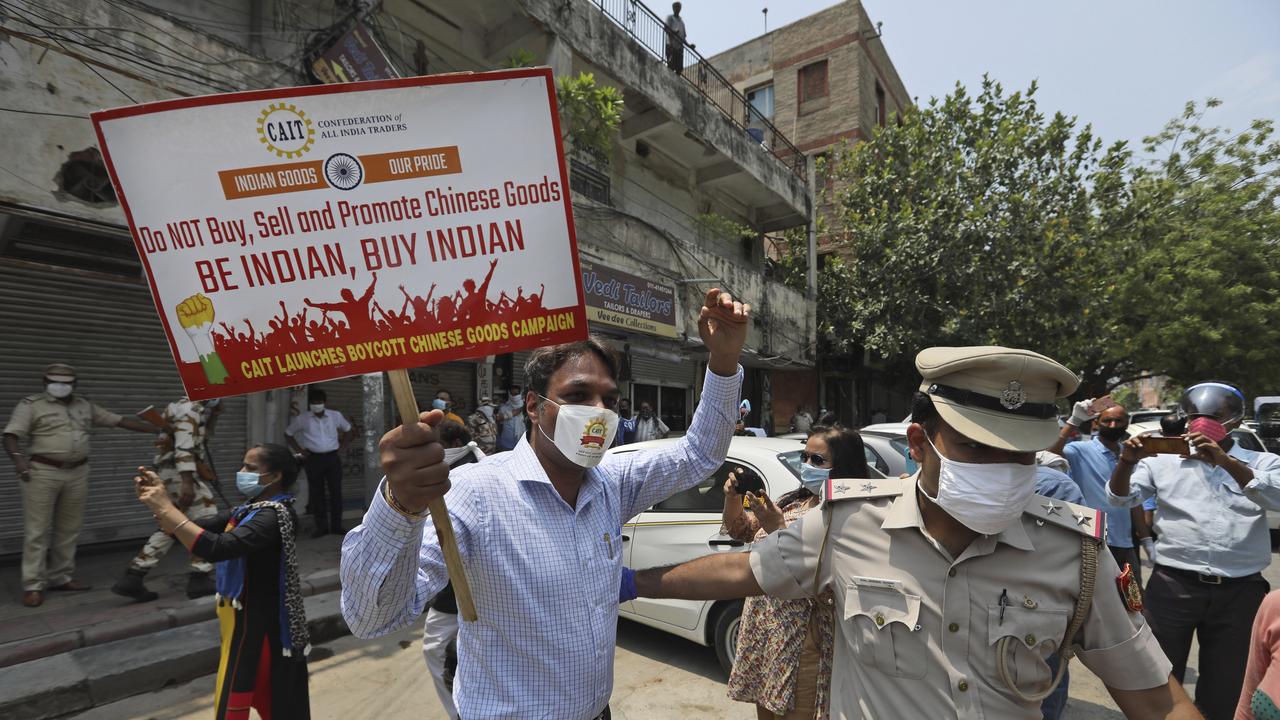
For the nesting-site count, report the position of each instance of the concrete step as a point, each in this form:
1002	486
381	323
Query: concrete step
134	620
74	681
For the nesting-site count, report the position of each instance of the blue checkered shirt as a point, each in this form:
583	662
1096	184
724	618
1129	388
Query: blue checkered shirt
544	575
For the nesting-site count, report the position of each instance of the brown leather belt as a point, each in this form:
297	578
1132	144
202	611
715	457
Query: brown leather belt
60	464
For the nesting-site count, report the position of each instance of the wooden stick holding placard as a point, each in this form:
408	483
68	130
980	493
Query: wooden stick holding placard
407	404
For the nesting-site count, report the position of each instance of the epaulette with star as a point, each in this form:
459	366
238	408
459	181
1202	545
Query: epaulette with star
1084	520
865	488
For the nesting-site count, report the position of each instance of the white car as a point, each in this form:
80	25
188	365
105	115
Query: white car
687	526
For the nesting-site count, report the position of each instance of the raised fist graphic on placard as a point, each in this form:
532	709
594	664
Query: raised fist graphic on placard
195	314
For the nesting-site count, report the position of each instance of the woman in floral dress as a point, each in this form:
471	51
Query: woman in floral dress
783	663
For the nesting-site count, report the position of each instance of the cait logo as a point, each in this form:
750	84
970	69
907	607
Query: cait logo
285	130
594	435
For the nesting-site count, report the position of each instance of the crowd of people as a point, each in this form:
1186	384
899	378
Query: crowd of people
351	317
964	589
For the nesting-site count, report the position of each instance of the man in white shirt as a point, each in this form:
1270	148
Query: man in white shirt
650	426
675	39
1211	543
318	434
539	528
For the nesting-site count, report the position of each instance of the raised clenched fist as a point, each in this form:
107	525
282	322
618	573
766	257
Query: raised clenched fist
195	311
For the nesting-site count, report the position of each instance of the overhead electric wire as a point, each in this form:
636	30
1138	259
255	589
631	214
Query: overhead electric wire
152	65
43	112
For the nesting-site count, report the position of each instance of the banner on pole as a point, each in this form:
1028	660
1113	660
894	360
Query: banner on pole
304	234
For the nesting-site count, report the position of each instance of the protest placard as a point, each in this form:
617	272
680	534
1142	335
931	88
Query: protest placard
303	234
298	235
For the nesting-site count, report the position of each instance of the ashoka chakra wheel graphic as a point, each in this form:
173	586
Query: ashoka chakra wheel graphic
343	171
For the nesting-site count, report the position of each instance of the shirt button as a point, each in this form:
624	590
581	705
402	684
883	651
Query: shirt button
1031	639
963	686
879	619
954	627
951	572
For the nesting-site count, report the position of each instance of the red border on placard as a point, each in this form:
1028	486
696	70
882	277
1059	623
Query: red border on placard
350	368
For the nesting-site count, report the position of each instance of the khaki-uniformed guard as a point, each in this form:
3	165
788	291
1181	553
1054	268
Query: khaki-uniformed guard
54	477
951	589
178	454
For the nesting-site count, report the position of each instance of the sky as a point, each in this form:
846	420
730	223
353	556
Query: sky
1126	66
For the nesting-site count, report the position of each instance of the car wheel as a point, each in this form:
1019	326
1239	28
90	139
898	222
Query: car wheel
725	634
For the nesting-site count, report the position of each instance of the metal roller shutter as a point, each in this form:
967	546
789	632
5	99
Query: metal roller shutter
459	378
107	328
647	369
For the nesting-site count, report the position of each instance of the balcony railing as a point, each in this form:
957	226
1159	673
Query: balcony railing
646	27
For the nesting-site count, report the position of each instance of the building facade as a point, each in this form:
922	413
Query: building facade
826	80
679	205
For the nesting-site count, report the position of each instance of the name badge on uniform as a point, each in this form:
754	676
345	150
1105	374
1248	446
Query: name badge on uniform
882	583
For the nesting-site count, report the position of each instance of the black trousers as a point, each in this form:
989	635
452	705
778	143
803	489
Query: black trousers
324	489
1221	616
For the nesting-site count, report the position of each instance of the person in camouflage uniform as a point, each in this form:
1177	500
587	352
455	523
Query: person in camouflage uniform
178	453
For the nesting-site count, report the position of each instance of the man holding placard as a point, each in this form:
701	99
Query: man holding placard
539	528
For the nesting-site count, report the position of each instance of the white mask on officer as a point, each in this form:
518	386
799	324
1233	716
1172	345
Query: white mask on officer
583	432
59	389
985	497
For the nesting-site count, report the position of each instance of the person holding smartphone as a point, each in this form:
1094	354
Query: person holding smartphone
1092	461
1212	538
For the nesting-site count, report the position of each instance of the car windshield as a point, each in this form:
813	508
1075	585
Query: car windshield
1247	440
792	461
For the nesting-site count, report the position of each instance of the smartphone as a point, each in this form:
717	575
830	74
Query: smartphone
1101	405
1165	445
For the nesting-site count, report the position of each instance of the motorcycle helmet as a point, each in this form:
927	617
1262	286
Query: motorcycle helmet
1219	401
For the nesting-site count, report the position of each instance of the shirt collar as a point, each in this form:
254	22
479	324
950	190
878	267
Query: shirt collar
532	471
905	513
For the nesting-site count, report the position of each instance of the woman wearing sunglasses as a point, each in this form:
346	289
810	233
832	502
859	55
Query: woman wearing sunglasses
783	663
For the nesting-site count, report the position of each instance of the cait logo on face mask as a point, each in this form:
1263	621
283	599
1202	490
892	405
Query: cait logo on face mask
594	434
285	130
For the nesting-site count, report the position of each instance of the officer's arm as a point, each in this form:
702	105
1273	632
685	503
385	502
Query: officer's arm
714	577
1168	702
135	425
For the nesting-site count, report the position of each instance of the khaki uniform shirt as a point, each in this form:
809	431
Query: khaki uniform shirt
917	631
55	429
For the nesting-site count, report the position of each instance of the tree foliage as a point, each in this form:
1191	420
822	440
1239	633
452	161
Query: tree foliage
1201	297
589	113
981	220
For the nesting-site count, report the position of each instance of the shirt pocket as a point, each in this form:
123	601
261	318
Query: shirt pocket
1034	635
883	626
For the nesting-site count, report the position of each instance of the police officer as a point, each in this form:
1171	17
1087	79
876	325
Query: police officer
952	587
54	477
179	452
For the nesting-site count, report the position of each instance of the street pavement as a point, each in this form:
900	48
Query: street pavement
656	675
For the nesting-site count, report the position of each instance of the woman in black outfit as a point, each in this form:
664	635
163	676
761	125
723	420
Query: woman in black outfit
263	662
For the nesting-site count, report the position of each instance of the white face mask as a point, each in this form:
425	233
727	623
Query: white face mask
58	389
985	497
583	432
316	408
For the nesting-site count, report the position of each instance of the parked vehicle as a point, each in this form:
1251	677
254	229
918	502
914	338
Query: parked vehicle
687	525
888	443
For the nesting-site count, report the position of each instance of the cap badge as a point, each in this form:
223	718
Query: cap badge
1014	396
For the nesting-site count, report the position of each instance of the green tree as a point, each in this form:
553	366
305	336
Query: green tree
1200	282
589	113
973	221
